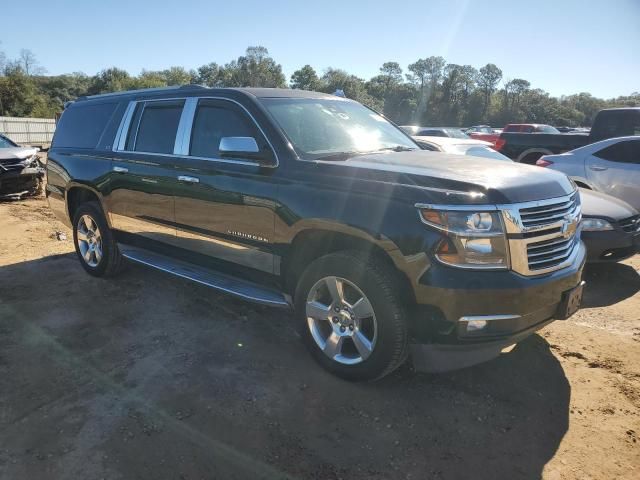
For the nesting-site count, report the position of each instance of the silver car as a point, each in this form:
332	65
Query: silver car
611	166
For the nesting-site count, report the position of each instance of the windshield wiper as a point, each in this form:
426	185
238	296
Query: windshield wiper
346	155
340	156
397	148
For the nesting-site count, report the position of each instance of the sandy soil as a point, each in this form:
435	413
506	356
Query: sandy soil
152	377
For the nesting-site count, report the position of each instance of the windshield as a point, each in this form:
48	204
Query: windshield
546	129
456	133
6	143
321	128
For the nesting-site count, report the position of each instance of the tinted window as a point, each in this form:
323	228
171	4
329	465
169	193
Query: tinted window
623	152
215	120
432	133
158	126
81	126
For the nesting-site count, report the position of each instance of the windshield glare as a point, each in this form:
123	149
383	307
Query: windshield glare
318	128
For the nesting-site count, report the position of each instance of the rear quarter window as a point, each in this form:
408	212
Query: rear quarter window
81	126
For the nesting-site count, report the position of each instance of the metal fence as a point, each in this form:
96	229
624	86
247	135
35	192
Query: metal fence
28	131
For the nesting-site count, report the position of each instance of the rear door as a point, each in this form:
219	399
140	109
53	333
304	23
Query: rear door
615	170
143	177
224	203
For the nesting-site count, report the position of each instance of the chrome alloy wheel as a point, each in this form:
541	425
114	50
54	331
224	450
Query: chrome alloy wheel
341	320
89	240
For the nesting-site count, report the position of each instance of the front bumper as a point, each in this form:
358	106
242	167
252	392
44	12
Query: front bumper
611	245
14	180
516	306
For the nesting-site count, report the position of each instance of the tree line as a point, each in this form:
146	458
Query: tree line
429	92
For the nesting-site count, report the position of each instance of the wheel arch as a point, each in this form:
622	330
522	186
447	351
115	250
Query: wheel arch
77	194
311	243
530	151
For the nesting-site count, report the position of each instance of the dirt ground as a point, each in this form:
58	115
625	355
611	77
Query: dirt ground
152	377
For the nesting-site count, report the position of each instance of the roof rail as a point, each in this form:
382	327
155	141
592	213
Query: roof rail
141	90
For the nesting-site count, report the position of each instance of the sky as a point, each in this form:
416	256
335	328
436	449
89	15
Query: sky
561	46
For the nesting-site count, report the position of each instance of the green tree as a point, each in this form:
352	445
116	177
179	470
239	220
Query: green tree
111	80
426	74
488	79
353	87
305	78
209	75
254	69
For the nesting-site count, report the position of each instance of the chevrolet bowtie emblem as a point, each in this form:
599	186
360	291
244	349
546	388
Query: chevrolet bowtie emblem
570	226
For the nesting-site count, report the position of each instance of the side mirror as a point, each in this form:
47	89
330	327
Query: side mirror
245	147
238	145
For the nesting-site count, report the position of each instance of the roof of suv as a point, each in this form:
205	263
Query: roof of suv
256	92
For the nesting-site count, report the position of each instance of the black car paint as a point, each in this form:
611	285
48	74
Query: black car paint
608	123
609	245
368	198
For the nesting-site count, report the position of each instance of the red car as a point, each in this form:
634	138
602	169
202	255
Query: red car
483	132
529	128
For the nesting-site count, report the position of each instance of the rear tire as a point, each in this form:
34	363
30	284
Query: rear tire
351	316
95	244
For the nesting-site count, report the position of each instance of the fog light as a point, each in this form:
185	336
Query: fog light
475	325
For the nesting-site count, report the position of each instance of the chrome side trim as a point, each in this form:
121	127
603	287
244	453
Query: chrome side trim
219	281
183	135
123	129
487	318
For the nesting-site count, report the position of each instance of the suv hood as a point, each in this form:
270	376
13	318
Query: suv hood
17	153
463	179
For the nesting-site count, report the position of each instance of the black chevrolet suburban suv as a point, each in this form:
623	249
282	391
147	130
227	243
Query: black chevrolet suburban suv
313	202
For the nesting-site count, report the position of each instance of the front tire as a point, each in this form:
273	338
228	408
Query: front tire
94	241
351	315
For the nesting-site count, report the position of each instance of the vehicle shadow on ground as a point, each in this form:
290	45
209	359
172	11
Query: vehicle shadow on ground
609	283
149	376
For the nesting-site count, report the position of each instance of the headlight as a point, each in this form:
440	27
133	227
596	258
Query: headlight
474	239
595	225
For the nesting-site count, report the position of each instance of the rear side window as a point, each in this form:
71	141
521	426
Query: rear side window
624	152
154	127
81	126
214	120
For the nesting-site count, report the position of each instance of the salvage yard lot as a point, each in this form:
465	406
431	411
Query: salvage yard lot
150	376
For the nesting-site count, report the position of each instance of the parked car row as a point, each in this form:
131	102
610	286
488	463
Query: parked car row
610	226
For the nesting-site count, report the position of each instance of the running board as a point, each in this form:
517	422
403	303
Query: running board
219	281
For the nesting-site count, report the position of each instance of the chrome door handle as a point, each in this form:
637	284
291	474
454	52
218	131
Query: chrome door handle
597	168
187	179
120	170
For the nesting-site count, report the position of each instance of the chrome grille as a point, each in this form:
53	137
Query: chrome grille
549	252
546	214
631	224
544	236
